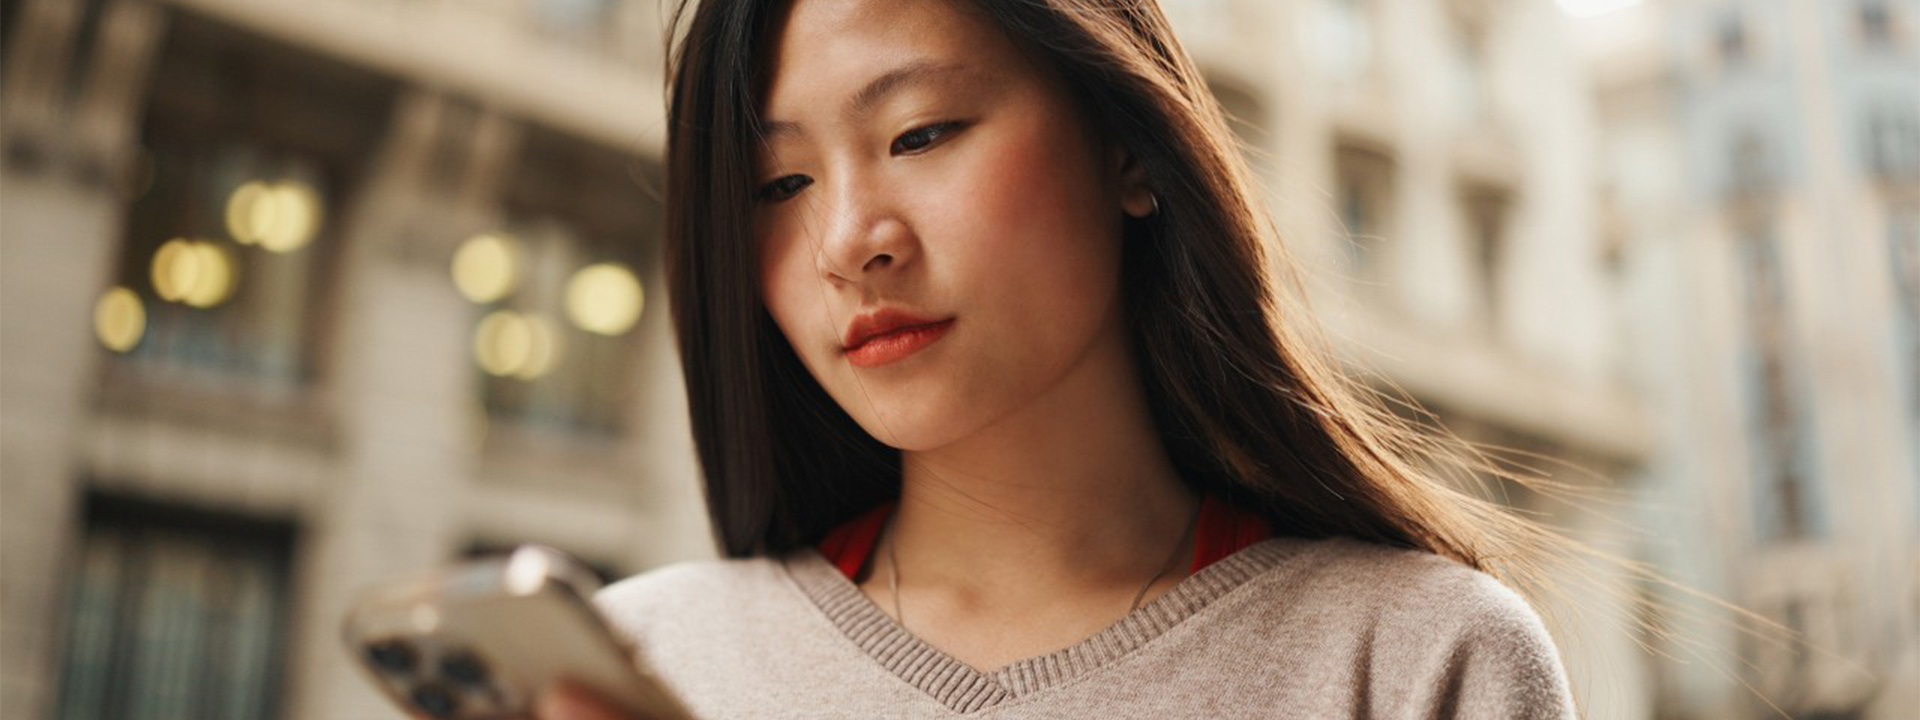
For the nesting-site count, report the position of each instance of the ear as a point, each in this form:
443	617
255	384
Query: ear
1136	195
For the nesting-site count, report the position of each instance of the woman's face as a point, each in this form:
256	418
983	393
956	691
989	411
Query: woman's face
939	229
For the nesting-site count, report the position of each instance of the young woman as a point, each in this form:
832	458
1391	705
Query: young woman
1000	415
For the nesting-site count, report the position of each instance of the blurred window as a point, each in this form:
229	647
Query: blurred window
1893	142
558	344
1486	209
174	616
1751	167
1366	186
1730	39
1903	250
1786	503
232	236
1876	23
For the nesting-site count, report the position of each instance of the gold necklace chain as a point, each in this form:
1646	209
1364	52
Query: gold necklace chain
893	569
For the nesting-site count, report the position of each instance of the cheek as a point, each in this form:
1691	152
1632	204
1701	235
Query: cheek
1038	218
789	287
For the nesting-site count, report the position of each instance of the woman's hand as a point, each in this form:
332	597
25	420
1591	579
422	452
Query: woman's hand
566	701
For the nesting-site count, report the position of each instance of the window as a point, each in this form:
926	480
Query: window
1365	180
232	237
1786	505
1903	254
1751	168
1876	23
174	616
555	336
1893	142
1730	40
1485	210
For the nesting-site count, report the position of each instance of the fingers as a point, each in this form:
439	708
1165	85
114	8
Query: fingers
566	701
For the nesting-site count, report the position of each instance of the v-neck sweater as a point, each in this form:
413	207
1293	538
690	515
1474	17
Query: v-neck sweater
1220	529
1286	627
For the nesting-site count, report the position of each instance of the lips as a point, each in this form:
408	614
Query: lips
887	336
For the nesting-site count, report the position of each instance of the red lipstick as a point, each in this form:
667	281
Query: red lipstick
886	336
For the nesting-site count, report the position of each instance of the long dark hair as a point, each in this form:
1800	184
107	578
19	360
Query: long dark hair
1247	403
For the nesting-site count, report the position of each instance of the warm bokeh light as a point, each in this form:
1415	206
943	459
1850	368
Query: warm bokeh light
501	342
604	298
195	272
512	344
543	348
216	275
244	208
119	319
486	267
174	269
280	216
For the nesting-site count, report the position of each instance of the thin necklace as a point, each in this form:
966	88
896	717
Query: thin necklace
893	570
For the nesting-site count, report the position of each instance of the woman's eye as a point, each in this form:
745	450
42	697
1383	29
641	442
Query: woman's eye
783	188
914	141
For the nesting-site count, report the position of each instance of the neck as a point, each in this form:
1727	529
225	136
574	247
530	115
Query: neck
1069	496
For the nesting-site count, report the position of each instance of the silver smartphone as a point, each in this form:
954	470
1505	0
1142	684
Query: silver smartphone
481	639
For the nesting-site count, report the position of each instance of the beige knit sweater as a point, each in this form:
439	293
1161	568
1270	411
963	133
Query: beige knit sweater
1285	628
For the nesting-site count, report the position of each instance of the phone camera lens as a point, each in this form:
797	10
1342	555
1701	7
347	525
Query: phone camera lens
394	656
435	701
464	669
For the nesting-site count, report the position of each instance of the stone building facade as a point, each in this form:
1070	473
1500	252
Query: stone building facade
1432	167
227	411
1763	158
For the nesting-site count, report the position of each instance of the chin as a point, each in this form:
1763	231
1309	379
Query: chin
913	426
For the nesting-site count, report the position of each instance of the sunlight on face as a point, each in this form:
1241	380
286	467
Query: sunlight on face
924	175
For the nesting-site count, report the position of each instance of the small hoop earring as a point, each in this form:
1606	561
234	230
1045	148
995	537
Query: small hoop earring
1153	198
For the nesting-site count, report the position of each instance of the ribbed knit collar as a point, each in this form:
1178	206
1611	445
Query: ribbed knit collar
964	689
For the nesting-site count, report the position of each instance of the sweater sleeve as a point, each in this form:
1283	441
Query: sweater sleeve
1502	665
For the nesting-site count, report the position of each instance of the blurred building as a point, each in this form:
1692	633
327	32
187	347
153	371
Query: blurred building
1763	168
302	296
1432	166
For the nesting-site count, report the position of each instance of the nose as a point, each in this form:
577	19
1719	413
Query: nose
866	236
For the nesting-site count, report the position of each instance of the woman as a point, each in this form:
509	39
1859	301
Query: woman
998	415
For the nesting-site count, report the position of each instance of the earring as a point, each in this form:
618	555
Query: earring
1153	198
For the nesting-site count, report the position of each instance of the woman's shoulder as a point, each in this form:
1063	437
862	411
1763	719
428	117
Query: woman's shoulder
1418	606
1386	583
1415	614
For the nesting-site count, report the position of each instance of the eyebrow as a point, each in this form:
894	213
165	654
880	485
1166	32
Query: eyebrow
876	90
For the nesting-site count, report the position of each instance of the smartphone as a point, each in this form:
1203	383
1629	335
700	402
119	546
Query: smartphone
481	639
